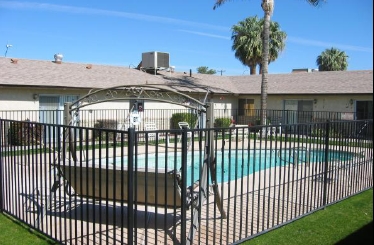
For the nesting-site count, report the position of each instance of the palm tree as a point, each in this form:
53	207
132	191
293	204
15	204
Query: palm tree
268	8
247	42
332	60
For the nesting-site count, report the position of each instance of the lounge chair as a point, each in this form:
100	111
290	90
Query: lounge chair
151	126
241	130
269	131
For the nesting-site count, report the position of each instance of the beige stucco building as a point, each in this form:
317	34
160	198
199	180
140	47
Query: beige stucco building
47	85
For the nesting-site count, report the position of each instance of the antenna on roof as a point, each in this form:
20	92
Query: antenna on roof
221	71
7	47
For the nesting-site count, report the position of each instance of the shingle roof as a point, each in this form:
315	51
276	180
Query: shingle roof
78	75
333	82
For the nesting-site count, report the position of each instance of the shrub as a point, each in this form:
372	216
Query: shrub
105	124
223	122
258	121
183	117
25	133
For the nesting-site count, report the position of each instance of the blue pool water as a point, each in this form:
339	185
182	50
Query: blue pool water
232	165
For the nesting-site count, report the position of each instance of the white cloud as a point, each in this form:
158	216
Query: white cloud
205	34
328	45
91	11
165	20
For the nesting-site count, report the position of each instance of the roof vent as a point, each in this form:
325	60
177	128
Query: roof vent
171	69
14	61
58	58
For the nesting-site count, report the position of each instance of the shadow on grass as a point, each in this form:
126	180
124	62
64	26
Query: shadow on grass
361	236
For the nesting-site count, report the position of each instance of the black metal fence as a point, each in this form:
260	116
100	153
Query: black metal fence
81	185
162	117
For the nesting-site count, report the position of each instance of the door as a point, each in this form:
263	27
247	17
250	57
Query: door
290	109
49	109
305	111
246	107
298	111
246	111
49	114
364	110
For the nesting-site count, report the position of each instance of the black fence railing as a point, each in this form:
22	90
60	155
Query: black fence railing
163	117
81	185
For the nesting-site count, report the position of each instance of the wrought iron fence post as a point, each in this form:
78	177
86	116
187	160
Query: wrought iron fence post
184	141
326	167
130	182
1	166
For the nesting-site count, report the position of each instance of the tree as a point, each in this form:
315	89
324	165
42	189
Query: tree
268	8
332	60
205	70
247	42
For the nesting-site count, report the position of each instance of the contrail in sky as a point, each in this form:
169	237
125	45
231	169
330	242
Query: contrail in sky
164	20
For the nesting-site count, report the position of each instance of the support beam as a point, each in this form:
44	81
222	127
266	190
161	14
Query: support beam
208	165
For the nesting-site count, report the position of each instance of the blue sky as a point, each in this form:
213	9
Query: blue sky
115	32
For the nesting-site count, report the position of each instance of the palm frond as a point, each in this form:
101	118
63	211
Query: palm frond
315	2
219	3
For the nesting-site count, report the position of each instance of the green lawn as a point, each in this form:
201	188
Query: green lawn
347	222
13	232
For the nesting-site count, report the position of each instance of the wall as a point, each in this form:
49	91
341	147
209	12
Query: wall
337	103
13	99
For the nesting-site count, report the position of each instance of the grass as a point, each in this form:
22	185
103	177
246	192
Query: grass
14	232
347	222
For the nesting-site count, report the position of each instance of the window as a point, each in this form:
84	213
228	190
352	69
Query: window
246	107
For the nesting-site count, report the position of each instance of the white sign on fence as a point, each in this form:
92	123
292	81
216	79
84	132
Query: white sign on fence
135	118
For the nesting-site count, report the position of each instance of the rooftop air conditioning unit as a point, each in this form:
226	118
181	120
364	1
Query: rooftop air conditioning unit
155	60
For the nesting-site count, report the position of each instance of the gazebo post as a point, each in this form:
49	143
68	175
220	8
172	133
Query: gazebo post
212	160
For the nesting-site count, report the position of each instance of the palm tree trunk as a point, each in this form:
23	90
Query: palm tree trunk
267	6
252	70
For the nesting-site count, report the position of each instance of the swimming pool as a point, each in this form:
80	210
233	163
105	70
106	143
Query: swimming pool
234	164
